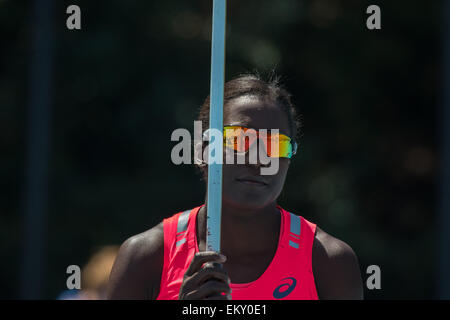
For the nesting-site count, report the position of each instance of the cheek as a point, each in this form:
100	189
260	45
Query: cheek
284	166
279	179
282	173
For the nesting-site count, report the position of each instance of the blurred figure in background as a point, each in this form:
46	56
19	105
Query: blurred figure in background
94	276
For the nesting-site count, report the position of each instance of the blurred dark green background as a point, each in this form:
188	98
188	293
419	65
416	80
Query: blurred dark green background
368	163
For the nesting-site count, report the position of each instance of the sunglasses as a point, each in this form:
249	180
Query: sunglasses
240	139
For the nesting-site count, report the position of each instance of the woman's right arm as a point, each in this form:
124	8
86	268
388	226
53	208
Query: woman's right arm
136	273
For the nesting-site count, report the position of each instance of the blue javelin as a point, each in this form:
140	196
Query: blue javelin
214	192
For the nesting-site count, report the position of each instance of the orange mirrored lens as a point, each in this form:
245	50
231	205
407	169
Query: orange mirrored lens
277	145
241	139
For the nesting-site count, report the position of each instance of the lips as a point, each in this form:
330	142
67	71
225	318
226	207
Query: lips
253	181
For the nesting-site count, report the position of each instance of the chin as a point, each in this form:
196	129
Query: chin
247	203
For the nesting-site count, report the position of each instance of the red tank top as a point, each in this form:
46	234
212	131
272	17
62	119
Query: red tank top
289	275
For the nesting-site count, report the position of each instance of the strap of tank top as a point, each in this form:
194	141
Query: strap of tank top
182	226
294	230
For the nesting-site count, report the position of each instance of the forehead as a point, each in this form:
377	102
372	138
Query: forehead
254	112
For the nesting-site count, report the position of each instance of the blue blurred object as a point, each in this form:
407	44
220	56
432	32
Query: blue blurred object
73	294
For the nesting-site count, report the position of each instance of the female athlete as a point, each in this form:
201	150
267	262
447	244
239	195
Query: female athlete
267	252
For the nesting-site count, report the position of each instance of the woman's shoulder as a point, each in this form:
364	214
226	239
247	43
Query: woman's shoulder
145	251
336	268
138	266
145	243
330	247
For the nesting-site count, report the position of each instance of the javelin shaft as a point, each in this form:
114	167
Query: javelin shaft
214	193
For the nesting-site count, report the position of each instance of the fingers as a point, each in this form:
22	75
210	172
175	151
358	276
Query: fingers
210	290
202	257
219	297
209	271
206	278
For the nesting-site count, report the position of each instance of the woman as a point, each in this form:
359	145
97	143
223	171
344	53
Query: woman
266	251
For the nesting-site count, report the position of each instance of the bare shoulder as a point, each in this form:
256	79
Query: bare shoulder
136	273
336	268
332	248
145	244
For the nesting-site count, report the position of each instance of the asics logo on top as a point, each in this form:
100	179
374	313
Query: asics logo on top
285	289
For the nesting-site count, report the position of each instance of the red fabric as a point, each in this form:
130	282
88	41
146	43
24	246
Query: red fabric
290	269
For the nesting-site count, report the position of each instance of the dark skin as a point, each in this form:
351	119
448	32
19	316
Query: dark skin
249	233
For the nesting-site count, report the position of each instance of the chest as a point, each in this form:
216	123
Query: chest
248	268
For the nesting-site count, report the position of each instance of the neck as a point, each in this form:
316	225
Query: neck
245	231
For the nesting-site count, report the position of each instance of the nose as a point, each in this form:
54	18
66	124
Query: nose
257	155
